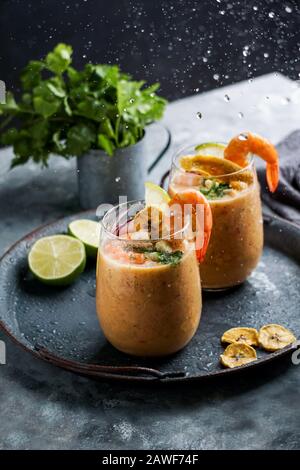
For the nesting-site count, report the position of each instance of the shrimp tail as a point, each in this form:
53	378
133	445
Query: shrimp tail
208	222
272	175
201	252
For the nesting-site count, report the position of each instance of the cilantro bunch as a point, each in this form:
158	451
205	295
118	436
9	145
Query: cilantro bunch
68	112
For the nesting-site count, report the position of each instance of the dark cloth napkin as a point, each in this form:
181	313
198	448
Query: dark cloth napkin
285	202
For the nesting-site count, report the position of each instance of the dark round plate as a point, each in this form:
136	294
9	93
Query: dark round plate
59	325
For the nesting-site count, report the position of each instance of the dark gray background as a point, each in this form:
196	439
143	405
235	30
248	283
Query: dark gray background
185	44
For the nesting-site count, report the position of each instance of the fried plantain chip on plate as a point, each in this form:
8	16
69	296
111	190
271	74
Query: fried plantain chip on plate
241	335
273	337
237	354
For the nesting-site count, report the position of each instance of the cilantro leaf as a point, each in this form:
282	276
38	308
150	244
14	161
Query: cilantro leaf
80	139
215	191
165	258
106	144
59	59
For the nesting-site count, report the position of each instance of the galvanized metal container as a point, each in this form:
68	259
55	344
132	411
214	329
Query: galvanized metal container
102	179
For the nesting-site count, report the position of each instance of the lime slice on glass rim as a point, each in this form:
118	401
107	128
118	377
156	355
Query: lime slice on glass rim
57	260
87	231
212	149
155	195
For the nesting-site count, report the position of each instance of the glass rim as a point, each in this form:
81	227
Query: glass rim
184	148
117	237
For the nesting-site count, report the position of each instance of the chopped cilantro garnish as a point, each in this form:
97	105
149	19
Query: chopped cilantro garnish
215	191
165	258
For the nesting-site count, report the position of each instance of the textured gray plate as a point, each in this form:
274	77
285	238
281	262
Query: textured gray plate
60	324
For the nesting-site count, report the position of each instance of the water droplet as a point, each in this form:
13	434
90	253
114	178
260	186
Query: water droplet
271	14
246	51
196	90
199	115
131	100
222	12
226	98
117	179
288	9
267	97
216	76
205	59
241	115
243	137
266	55
255	8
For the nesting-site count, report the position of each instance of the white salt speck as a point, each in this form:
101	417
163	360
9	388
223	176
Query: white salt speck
125	430
262	283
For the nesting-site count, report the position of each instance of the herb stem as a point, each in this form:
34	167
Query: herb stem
5	122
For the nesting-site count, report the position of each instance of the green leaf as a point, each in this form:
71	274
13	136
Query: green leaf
91	109
216	189
59	146
106	128
45	108
139	106
22	146
38	131
80	139
10	105
108	73
127	94
56	90
31	75
173	258
67	107
45	102
106	144
59	59
74	76
10	136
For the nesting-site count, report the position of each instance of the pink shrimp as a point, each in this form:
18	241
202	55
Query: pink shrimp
194	198
239	147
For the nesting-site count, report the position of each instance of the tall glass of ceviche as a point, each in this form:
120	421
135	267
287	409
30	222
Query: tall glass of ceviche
148	284
225	174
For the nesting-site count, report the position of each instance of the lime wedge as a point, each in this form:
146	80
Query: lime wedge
57	260
88	231
213	149
155	195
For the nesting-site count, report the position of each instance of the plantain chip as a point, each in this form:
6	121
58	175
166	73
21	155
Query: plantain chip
274	337
237	354
241	335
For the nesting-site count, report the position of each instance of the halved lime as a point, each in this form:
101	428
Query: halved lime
88	231
213	149
57	260
155	195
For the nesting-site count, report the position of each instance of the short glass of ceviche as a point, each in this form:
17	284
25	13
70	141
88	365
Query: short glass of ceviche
148	283
225	174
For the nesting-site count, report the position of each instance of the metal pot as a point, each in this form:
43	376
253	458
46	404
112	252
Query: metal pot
102	179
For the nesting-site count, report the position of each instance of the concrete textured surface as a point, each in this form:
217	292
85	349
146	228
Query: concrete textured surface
43	407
